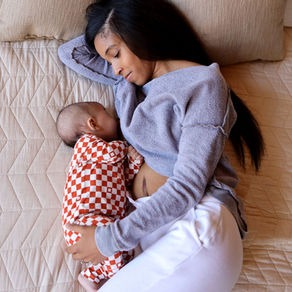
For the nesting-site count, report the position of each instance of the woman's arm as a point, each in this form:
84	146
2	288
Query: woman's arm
80	58
180	193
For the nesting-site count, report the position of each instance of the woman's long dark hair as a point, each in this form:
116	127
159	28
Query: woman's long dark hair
157	30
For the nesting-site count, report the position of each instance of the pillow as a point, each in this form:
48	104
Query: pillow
58	19
232	30
236	31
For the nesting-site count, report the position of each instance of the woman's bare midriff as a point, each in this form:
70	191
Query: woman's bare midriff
146	182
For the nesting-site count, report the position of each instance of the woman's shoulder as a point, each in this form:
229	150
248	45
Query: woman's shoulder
199	90
189	74
199	71
188	78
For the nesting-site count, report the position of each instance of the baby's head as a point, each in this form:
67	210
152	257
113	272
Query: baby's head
82	118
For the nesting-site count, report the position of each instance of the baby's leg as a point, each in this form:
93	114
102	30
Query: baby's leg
91	277
88	285
106	269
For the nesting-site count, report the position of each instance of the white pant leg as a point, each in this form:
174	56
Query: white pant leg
202	251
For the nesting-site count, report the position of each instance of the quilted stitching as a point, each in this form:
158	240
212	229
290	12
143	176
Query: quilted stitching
266	87
34	86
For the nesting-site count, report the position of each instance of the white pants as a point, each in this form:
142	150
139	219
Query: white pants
200	252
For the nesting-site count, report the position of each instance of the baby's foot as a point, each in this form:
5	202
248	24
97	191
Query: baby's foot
88	285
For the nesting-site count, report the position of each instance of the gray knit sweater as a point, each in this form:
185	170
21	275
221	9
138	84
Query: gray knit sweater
179	122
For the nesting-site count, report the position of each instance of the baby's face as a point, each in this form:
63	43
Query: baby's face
107	124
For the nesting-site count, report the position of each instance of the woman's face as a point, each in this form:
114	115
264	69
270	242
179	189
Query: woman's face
124	62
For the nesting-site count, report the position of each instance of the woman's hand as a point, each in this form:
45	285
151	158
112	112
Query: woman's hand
85	249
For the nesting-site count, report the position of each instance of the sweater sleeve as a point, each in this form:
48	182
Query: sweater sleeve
200	149
76	55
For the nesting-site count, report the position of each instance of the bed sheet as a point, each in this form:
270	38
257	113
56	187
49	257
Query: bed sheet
34	86
267	88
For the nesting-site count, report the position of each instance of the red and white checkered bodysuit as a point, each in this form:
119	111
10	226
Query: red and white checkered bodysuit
95	194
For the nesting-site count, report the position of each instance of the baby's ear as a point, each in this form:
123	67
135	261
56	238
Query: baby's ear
92	124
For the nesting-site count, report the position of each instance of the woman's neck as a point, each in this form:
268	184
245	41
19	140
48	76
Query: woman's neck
163	67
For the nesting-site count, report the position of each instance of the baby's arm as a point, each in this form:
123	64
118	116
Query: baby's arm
135	157
134	163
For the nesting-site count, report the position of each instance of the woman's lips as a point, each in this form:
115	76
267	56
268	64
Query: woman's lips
128	76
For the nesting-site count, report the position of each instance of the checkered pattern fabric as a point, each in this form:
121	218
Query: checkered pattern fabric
96	194
108	267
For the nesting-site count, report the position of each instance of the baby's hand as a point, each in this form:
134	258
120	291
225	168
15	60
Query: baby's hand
133	154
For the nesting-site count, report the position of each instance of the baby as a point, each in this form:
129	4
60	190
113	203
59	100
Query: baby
96	188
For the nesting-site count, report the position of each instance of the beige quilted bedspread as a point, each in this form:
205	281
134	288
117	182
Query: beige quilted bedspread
34	86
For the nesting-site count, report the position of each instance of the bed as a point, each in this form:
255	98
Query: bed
35	85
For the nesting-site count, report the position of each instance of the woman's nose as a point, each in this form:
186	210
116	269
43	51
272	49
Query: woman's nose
117	69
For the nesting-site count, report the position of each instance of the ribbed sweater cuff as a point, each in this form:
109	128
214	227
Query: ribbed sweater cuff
105	241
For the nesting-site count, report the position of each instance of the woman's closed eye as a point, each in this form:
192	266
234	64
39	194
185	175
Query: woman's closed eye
115	56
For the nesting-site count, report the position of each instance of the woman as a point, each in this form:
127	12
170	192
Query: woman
176	109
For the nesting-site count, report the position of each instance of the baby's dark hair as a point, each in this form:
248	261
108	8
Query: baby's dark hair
68	133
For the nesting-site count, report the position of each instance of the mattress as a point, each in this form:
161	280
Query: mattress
267	88
34	86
